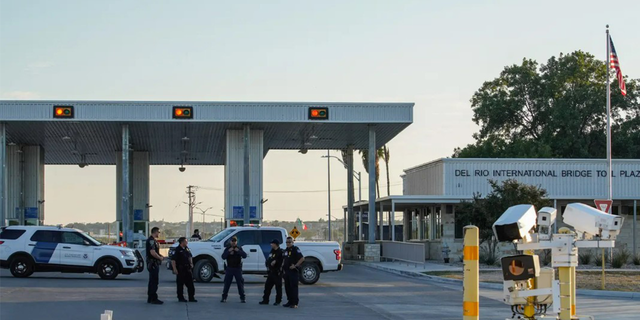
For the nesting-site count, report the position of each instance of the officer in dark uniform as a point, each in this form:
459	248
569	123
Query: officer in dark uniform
274	275
196	235
293	258
182	264
234	255
154	259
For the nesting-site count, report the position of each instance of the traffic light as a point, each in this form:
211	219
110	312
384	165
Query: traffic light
63	112
183	112
318	113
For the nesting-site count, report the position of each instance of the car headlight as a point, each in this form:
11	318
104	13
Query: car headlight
127	253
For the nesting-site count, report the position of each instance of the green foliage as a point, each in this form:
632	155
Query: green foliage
554	110
598	258
483	212
620	258
636	260
585	257
489	253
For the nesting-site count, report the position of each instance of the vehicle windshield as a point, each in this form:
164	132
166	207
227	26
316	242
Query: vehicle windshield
91	239
221	235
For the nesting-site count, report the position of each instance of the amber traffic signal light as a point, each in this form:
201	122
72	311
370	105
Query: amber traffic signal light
183	112
63	112
318	113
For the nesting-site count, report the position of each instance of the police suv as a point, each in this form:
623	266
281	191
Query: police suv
28	249
319	257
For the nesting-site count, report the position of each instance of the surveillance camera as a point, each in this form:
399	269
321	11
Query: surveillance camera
303	151
589	221
182	169
82	165
515	223
546	218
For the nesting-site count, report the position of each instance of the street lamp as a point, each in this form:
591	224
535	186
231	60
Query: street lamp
356	175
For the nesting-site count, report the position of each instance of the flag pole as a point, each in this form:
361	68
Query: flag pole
609	156
609	172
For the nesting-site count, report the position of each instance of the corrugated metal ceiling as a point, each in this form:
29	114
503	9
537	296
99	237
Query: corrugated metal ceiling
65	141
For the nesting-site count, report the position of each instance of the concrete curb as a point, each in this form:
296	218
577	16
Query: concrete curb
496	286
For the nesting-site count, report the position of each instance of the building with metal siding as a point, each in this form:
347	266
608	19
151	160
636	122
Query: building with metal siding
572	179
432	190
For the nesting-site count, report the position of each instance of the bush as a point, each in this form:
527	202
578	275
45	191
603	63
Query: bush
636	260
620	258
546	257
489	254
585	257
597	260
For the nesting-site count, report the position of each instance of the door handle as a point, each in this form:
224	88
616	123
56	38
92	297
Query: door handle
66	247
32	245
253	250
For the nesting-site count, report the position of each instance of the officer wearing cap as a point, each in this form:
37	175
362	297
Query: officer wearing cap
154	259
293	258
234	255
274	275
182	264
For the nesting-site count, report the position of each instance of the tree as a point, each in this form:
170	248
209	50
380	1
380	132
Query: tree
386	156
365	162
483	212
556	110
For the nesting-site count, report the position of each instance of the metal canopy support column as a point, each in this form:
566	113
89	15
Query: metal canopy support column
381	218
406	225
360	223
372	184
247	176
420	224
350	236
127	228
393	221
635	219
3	174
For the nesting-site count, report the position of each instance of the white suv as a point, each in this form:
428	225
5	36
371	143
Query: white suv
28	249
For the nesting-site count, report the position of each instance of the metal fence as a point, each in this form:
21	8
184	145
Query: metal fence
403	251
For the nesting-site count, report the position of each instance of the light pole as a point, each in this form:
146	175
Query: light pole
329	191
356	175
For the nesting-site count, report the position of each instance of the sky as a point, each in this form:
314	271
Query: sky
433	53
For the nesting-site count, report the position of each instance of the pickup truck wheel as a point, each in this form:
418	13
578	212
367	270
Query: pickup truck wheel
21	267
108	269
203	271
309	273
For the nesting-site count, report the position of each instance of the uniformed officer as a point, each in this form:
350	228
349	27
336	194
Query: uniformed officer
293	258
274	275
154	259
234	255
196	235
182	264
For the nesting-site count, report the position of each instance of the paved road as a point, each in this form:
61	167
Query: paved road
357	292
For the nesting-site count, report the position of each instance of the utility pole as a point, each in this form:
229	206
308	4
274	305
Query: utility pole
191	192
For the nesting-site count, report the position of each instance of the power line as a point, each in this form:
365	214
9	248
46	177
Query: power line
297	191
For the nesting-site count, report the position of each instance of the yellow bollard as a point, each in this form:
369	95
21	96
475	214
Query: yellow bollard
565	293
471	280
573	291
530	308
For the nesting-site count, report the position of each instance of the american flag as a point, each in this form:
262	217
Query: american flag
615	64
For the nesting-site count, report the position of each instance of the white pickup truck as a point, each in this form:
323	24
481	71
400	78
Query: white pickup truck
256	241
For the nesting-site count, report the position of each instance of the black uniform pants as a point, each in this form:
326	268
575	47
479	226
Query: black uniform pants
152	289
273	279
229	274
291	286
185	278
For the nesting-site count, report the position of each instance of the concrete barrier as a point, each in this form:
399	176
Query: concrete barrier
403	251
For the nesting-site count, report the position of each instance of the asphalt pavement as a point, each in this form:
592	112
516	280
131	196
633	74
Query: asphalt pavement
357	292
